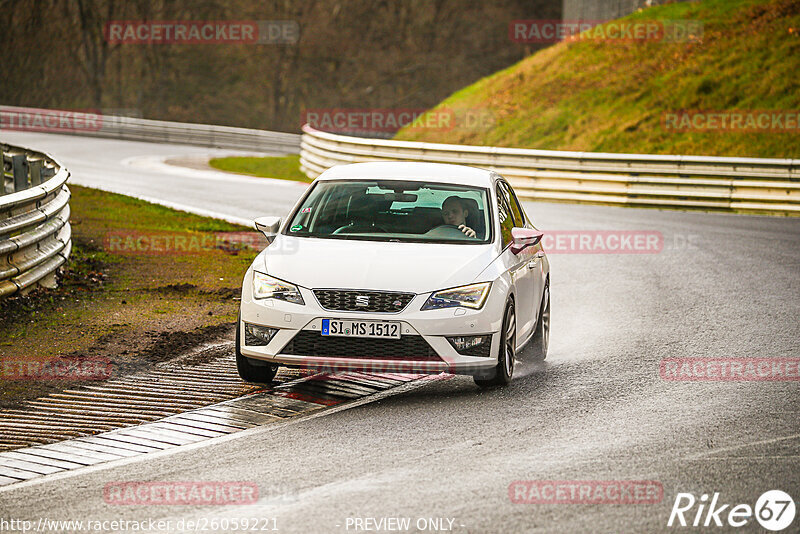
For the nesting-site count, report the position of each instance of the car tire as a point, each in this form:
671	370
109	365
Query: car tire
541	337
501	375
252	370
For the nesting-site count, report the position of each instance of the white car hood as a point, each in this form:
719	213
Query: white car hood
349	264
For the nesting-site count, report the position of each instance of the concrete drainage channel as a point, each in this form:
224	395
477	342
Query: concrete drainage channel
177	403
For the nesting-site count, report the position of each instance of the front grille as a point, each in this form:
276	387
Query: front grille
366	301
308	343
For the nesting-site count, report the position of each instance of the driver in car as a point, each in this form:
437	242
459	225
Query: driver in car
455	213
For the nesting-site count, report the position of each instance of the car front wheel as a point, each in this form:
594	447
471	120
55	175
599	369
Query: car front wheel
505	361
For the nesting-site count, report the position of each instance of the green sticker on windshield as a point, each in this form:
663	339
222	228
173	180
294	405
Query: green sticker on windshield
296	228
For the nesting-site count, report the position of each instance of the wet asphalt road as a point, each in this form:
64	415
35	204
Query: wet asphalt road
723	286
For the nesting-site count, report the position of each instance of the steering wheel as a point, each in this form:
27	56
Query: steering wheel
355	228
446	230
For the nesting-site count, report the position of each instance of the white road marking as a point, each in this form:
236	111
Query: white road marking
743	445
158	164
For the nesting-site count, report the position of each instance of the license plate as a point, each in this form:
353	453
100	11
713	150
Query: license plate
378	329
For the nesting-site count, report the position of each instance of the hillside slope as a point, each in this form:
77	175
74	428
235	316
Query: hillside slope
612	96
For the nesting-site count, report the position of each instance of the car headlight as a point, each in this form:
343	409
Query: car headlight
471	296
267	287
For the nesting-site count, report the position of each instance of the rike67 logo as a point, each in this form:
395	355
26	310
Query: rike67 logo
774	511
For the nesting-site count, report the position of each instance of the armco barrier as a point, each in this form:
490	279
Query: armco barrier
747	185
35	238
135	129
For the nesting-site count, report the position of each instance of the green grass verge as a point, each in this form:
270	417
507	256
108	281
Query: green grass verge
143	284
286	167
612	96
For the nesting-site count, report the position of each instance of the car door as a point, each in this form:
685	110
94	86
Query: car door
510	217
534	256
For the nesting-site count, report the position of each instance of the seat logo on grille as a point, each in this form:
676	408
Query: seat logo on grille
362	300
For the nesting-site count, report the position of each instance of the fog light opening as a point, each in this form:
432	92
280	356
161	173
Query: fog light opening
255	335
471	345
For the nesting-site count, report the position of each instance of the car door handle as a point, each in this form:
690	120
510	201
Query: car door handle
535	261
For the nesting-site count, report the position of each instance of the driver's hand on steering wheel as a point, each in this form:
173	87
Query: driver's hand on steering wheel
469	232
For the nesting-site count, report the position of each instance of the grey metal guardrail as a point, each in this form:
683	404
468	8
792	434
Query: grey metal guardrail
747	185
97	124
35	235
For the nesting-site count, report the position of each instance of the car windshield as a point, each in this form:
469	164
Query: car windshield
394	210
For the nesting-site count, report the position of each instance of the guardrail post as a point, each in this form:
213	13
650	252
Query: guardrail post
5	166
19	166
36	172
2	172
49	281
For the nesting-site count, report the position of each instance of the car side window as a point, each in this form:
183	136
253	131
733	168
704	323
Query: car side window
505	216
516	207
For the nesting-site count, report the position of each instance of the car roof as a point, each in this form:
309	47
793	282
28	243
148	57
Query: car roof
412	171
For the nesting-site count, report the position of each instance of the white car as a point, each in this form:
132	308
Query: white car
378	269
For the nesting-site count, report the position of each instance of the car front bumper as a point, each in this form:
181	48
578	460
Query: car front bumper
433	326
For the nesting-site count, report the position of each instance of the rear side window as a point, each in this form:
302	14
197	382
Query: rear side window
516	208
505	216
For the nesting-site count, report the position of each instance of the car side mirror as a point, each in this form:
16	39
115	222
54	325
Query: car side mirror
268	226
522	238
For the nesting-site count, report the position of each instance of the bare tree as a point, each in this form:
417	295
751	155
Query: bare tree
351	53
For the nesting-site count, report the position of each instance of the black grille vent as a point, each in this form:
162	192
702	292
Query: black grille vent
483	350
364	301
308	343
